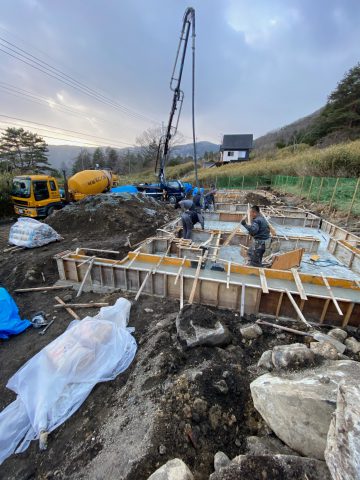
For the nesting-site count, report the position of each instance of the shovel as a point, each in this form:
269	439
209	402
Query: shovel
320	337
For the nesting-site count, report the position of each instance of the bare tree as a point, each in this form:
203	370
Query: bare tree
149	142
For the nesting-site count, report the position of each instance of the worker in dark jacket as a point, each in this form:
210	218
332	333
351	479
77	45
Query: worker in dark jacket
189	217
260	232
210	198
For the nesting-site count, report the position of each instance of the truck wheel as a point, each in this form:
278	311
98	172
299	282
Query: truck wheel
172	199
50	210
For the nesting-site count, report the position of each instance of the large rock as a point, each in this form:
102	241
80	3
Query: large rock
250	332
267	446
273	467
338	334
292	356
196	325
342	452
221	460
352	344
298	406
174	469
324	349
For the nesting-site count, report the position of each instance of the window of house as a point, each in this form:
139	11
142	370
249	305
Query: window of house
230	154
52	186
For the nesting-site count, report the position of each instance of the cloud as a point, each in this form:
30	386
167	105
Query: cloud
259	64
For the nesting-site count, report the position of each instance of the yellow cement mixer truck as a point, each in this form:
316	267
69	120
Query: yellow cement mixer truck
39	195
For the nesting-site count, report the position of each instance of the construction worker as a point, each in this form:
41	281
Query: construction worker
260	232
189	216
210	198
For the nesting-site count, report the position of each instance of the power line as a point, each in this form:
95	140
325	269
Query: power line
83	143
60	130
53	72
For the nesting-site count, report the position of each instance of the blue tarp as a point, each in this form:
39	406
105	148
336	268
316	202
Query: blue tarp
188	187
10	321
124	188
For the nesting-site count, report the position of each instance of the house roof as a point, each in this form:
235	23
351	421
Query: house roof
237	142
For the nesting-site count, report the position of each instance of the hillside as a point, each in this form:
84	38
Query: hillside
286	134
66	154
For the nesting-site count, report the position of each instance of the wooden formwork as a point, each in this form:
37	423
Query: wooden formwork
243	290
295	219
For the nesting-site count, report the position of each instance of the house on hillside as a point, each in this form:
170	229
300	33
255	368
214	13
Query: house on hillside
236	148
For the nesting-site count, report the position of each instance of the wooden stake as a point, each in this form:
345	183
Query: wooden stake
181	292
297	309
324	310
331	294
196	278
248	214
353	200
299	284
142	285
40	289
228	275
333	194
279	304
68	309
263	281
320	188
81	305
87	273
231	236
85	261
242	301
180	270
132	260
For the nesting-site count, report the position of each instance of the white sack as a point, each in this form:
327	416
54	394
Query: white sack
30	233
53	384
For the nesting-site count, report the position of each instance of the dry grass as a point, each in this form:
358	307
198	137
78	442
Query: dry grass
341	160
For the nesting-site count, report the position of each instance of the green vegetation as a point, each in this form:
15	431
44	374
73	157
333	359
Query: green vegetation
23	151
5	189
341	116
341	160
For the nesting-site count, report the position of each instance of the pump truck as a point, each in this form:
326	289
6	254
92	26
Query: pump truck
174	190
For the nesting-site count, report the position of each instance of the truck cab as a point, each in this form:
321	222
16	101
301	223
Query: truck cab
35	195
172	190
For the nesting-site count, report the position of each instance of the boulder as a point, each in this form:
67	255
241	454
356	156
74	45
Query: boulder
220	460
265	360
352	344
267	446
298	406
295	355
342	453
251	332
273	467
174	469
338	334
324	349
196	325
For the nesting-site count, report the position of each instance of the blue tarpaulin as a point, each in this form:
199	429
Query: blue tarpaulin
10	321
124	188
188	187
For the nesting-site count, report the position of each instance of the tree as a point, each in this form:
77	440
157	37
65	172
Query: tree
149	141
342	111
82	162
98	160
112	159
24	151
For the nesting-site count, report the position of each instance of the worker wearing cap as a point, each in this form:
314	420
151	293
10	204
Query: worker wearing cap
210	198
189	216
260	232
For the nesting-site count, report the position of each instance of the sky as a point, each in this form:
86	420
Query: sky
260	65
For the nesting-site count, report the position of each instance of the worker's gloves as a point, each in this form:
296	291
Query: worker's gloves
243	222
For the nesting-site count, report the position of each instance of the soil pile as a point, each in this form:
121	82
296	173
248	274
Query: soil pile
108	215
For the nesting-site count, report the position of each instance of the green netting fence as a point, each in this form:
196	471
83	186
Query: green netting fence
338	193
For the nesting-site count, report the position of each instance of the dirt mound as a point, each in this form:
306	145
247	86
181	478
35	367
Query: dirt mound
108	215
258	198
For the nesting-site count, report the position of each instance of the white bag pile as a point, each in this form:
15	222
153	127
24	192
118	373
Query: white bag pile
53	384
30	233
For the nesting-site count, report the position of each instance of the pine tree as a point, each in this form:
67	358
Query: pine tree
98	160
83	161
24	151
